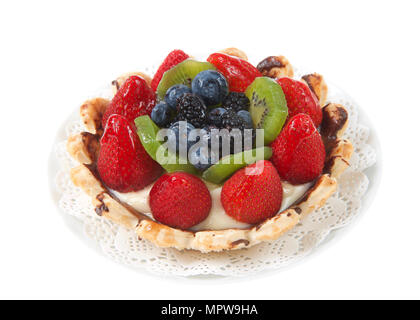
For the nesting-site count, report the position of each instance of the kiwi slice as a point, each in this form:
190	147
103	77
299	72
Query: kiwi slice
268	107
182	73
229	164
147	130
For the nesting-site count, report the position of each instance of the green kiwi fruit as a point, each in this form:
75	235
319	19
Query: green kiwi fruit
182	73
229	164
147	130
268	107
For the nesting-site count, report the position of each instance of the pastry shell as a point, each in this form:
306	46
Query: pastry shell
84	147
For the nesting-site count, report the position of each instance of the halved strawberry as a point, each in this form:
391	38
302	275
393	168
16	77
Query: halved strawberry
238	73
298	152
180	200
133	99
123	164
253	194
173	58
300	99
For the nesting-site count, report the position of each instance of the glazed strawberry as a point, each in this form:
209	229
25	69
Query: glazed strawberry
173	58
300	99
180	200
253	194
298	152
238	73
133	99
123	164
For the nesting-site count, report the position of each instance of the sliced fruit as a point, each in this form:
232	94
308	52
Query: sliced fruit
182	73
229	164
147	132
172	59
268	107
238	73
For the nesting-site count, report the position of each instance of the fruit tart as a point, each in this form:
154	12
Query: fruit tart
211	155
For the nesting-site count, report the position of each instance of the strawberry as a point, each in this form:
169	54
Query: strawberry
300	99
133	99
173	58
298	152
180	200
253	194
123	164
238	73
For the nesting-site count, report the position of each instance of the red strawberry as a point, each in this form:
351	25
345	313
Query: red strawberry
133	99
300	99
173	58
180	200
298	152
123	164
238	73
253	194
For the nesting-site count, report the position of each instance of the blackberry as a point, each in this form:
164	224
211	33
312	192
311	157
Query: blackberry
191	109
236	101
230	120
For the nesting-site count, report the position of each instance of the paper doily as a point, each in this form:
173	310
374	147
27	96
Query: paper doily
123	246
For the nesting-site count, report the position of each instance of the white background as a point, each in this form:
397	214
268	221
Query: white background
53	53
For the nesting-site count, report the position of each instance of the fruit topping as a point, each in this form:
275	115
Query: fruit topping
298	152
162	114
191	108
238	73
229	164
174	93
231	120
148	133
133	99
236	101
179	138
173	58
215	117
253	194
211	86
246	118
123	164
183	73
300	99
180	200
268	107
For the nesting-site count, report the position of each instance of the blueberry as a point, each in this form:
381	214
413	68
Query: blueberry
179	140
201	157
246	117
174	93
215	116
161	114
211	86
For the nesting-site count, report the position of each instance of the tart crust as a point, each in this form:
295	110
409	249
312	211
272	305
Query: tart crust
84	148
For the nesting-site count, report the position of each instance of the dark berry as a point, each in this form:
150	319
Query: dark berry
231	120
246	117
192	109
161	114
211	86
236	101
174	93
202	157
178	138
215	116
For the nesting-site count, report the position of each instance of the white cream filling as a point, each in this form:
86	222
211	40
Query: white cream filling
217	218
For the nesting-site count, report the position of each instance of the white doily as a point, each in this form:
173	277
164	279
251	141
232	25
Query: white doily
122	245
